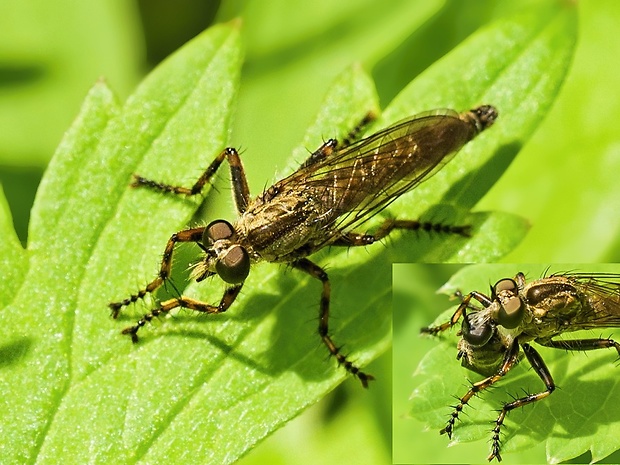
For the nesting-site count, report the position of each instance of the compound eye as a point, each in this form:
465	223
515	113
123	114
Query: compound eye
511	312
477	336
217	230
506	284
511	308
234	265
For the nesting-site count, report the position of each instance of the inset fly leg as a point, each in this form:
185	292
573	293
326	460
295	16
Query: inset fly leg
456	316
460	311
510	359
189	235
184	302
357	239
239	182
543	372
581	344
317	272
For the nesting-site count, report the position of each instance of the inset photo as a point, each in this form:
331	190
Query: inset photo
506	362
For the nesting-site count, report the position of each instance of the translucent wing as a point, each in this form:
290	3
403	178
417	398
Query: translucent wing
602	293
359	180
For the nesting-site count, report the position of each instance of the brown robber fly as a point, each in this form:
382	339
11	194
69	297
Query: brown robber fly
334	191
518	313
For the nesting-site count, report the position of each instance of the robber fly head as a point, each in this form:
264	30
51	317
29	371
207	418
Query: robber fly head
507	310
487	332
224	255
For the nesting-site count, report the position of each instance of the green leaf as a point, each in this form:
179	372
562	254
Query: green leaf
579	416
13	259
516	64
87	230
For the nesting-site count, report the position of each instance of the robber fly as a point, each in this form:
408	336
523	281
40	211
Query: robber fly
518	313
335	190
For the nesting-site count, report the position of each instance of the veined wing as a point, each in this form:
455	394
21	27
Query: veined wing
602	296
358	181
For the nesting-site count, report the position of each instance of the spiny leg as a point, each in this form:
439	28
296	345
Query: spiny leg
331	145
324	151
239	182
184	302
460	311
510	359
317	272
353	239
543	372
581	344
354	134
189	235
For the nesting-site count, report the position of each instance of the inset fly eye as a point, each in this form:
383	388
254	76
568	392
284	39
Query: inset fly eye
511	307
511	312
479	335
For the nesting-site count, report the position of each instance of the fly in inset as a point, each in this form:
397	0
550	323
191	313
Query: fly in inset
518	313
334	191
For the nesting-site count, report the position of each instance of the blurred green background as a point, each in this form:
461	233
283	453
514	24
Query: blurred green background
565	181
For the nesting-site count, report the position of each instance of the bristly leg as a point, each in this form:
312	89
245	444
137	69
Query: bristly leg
355	133
184	302
543	372
317	272
510	359
332	145
353	239
460	311
239	182
189	235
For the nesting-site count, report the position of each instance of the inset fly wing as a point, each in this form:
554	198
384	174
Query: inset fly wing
601	298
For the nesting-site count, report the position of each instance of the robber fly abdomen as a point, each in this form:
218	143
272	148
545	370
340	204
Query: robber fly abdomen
335	190
518	313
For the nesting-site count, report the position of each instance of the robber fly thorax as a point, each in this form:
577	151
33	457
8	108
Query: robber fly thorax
335	190
518	313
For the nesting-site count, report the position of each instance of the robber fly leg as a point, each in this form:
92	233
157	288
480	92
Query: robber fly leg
331	145
239	182
324	151
354	134
543	372
317	272
456	316
353	239
184	302
189	235
580	344
510	359
460	311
